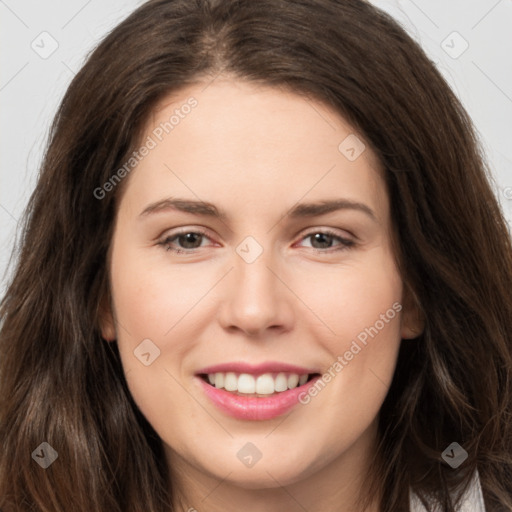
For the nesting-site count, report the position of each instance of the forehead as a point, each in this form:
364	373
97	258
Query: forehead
231	139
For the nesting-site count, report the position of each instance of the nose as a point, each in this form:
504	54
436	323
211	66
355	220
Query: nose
256	298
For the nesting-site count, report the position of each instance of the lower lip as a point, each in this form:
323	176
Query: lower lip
255	408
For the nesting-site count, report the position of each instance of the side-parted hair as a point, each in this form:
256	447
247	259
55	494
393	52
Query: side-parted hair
61	383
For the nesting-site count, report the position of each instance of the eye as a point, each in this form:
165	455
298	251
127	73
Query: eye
187	240
324	239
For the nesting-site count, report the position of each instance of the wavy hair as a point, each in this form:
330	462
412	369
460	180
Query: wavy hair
61	383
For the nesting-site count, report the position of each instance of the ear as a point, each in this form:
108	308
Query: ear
413	320
106	318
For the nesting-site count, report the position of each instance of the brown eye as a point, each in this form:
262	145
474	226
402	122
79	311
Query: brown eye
185	241
188	240
327	240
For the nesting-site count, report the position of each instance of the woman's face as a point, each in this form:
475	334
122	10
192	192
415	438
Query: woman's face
268	277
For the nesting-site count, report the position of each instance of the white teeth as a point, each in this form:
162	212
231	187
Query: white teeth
281	382
230	382
265	384
246	383
293	380
219	380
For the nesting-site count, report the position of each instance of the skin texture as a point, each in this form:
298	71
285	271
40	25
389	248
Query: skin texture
255	152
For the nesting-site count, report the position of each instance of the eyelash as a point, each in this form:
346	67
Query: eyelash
344	242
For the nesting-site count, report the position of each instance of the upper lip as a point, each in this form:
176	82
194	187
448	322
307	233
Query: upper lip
257	369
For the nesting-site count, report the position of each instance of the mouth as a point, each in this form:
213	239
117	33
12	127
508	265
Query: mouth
261	386
256	396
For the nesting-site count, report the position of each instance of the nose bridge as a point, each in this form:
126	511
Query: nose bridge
254	277
256	299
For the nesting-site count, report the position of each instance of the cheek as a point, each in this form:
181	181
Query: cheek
360	307
353	297
371	308
153	303
159	302
152	297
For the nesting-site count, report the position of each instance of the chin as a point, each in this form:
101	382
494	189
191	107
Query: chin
264	475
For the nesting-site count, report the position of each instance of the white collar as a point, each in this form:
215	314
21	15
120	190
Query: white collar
472	501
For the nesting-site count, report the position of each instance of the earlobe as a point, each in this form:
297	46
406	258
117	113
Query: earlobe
409	333
413	321
106	319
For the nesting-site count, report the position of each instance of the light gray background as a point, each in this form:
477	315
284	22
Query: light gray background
45	43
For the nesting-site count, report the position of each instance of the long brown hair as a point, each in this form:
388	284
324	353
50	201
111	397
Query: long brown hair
61	383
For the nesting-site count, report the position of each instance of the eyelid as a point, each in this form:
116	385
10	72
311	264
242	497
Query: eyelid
172	232
342	233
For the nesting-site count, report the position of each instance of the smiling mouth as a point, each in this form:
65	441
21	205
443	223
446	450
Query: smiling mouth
264	385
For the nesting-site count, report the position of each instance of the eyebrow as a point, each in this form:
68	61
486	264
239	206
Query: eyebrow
302	210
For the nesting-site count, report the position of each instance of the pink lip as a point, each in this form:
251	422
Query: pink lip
258	369
255	408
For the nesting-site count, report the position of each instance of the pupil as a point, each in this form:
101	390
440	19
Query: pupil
189	239
318	237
